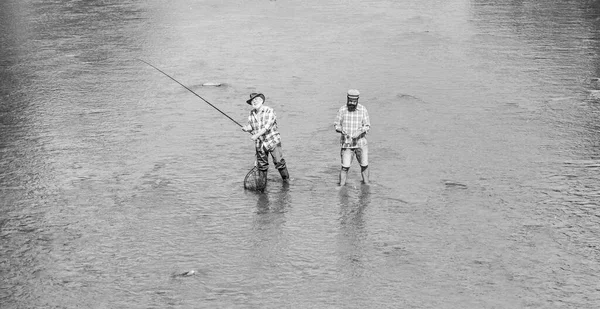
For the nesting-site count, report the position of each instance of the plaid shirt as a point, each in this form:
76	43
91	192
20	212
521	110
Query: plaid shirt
265	118
351	123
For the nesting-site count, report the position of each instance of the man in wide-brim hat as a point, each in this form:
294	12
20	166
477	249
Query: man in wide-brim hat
262	124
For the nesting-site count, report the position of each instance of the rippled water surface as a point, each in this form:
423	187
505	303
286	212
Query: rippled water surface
484	154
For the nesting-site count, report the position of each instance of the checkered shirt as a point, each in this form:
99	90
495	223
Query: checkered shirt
265	118
351	123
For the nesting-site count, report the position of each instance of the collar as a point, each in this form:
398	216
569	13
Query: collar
260	109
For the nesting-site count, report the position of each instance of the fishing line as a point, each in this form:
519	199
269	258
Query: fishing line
190	90
252	181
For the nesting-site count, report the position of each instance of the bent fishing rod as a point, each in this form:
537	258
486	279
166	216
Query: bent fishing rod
190	90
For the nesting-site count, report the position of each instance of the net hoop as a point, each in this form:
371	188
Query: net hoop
253	180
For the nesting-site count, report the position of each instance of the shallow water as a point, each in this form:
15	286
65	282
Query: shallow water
484	151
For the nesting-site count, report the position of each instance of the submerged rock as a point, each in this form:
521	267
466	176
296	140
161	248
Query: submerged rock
186	274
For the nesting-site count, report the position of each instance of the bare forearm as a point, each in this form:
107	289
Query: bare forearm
258	134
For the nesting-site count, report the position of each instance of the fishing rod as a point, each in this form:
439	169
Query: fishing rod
190	90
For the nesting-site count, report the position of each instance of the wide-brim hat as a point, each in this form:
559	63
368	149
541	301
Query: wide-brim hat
254	95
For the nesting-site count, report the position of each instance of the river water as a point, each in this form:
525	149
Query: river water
484	154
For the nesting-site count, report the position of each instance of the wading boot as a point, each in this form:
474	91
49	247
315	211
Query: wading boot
262	180
284	175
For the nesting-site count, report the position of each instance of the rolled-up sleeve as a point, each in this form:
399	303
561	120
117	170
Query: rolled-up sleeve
337	124
366	122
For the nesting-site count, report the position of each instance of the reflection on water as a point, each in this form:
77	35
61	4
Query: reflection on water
269	221
273	201
353	230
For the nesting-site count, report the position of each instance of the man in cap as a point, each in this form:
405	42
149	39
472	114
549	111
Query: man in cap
352	121
262	124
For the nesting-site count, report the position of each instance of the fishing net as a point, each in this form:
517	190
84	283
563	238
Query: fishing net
254	181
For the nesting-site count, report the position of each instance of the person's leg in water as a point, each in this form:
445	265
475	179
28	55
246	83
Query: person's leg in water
262	165
362	156
343	175
364	171
279	162
346	157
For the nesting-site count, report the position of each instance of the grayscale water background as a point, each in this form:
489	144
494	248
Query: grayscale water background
484	150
